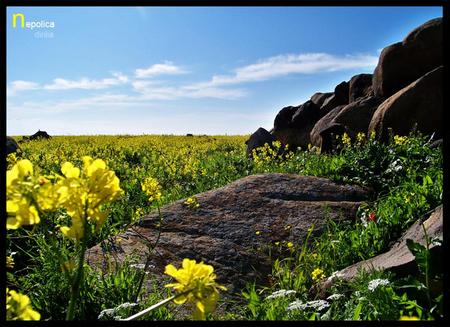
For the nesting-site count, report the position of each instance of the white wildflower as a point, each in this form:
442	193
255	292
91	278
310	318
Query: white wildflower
335	296
141	266
126	305
280	293
138	265
317	305
364	219
298	304
373	284
106	312
113	311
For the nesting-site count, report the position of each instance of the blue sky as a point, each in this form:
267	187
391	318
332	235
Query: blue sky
203	70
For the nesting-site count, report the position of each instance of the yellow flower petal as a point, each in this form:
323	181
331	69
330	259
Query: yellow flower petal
25	168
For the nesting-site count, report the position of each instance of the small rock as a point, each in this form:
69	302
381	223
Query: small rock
258	139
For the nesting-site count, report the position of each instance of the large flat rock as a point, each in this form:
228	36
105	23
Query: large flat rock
222	230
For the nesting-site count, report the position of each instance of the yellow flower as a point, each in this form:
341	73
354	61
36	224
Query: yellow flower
192	202
152	188
47	195
290	245
9	262
400	140
70	171
196	284
20	212
317	274
360	138
258	232
18	307
82	194
346	139
409	318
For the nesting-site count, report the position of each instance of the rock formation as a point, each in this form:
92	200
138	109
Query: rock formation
404	92
235	225
258	139
39	135
11	145
418	105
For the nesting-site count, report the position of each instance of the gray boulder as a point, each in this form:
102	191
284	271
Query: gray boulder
11	145
258	139
418	105
402	63
339	97
360	86
319	98
293	125
236	226
322	127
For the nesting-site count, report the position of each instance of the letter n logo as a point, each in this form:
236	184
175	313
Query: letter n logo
22	20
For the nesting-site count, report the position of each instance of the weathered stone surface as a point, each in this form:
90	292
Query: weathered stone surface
419	105
356	116
283	118
296	131
319	98
352	119
11	145
323	124
258	139
398	259
329	137
292	137
222	231
360	86
339	97
402	63
39	135
305	115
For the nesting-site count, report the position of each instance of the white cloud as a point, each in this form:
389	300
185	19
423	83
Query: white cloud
307	63
166	68
86	83
19	85
150	90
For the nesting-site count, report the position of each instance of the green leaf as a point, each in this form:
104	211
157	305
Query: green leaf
420	253
357	311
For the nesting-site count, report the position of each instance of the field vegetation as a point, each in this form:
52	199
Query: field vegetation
69	193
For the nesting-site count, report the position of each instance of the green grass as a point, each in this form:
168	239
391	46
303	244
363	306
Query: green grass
406	179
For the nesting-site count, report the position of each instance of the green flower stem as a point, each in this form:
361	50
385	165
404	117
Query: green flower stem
76	285
155	306
427	277
75	291
147	263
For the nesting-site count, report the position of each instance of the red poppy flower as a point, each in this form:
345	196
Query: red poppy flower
373	217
